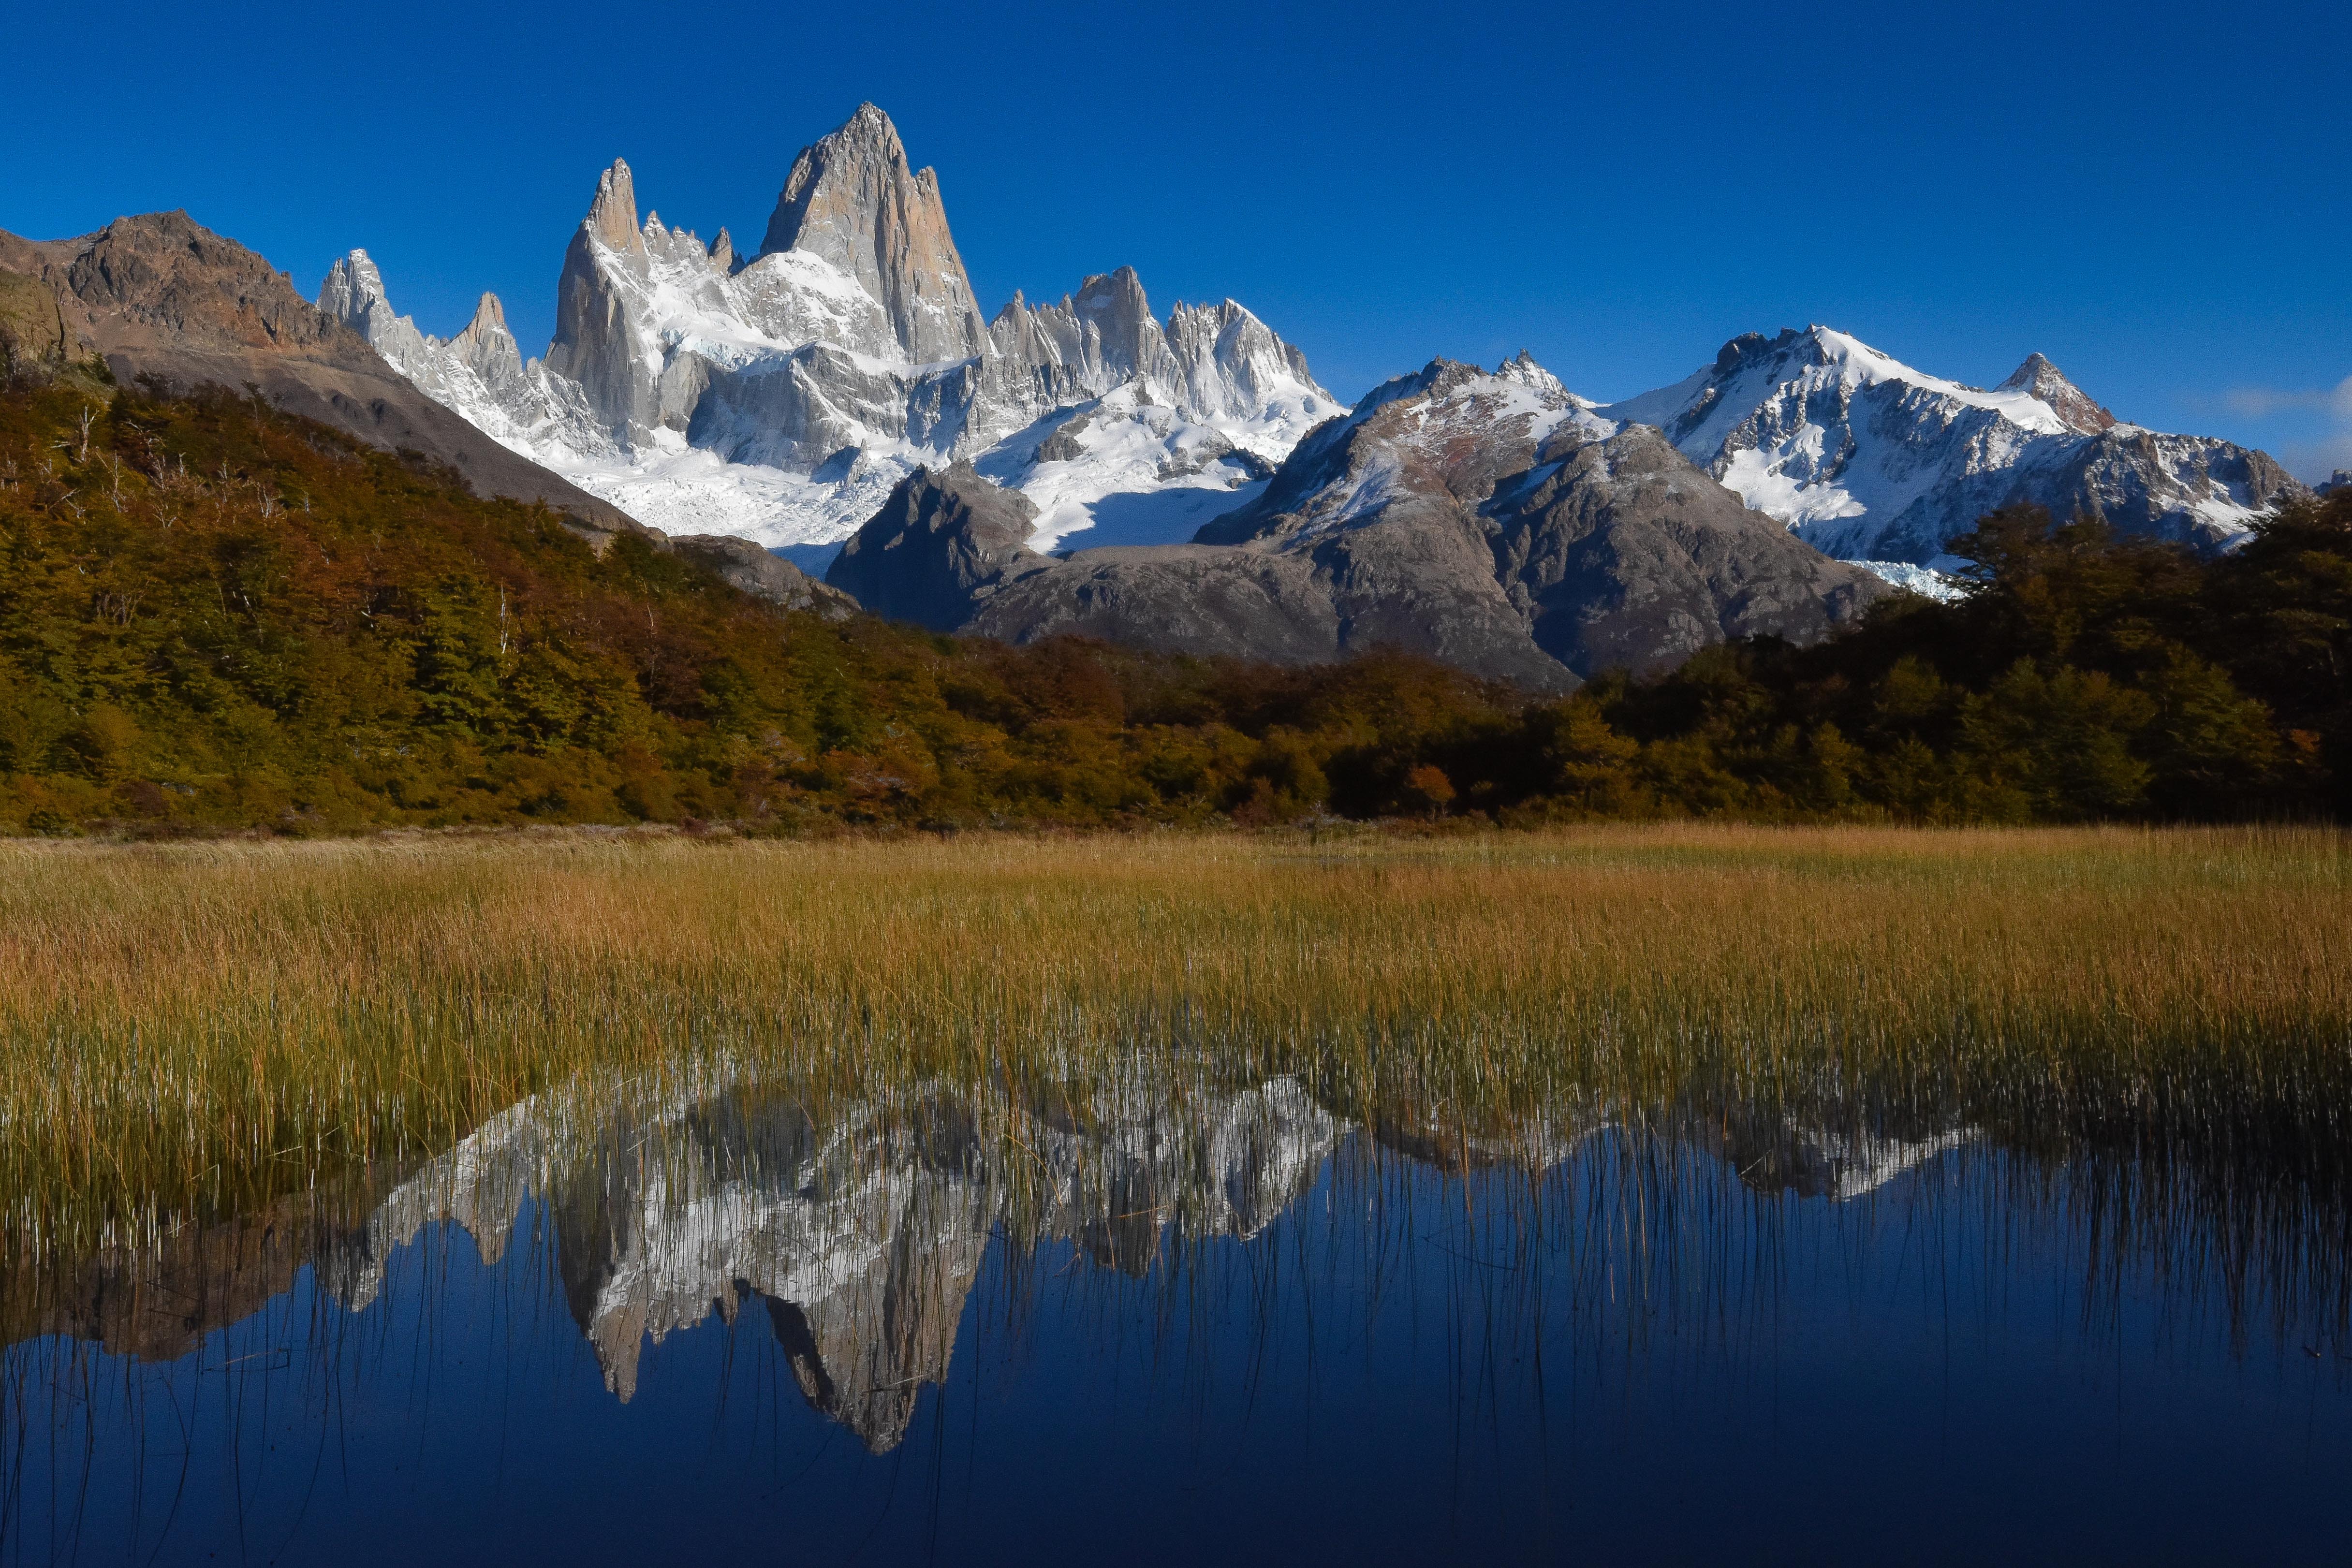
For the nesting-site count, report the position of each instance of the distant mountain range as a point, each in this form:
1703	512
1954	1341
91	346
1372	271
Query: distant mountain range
1491	521
1181	484
782	395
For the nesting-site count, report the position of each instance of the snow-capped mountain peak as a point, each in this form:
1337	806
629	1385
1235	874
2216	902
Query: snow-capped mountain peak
1522	367
2043	380
783	398
851	200
1869	458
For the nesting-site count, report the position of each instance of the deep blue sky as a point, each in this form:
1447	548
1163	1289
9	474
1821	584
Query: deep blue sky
2157	196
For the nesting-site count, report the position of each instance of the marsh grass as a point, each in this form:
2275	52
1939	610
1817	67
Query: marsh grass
193	1030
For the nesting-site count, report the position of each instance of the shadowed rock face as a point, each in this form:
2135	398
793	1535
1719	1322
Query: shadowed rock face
939	540
1623	555
158	295
1489	521
949	551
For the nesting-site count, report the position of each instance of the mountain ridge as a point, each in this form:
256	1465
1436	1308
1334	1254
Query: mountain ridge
1492	522
1867	457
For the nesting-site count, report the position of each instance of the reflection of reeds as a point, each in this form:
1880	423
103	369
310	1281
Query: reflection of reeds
197	1029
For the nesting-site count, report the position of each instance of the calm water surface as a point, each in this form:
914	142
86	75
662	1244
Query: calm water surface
1215	1325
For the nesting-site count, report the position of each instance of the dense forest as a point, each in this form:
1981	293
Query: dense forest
216	617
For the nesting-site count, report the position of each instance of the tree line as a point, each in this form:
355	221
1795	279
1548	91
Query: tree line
216	617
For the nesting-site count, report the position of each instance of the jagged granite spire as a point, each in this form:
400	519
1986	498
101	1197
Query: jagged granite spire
489	349
851	200
593	344
354	286
612	214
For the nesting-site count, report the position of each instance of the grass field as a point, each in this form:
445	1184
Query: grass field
197	1026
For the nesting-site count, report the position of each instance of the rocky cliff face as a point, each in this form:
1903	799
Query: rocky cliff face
949	551
1491	521
784	398
939	540
1867	457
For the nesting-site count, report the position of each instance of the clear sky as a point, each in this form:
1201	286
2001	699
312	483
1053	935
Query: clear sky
2157	196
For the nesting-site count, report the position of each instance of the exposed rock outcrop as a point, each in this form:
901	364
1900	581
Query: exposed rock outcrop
32	330
2038	378
941	539
1622	556
763	575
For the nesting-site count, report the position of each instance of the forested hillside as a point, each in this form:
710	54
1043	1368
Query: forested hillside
214	616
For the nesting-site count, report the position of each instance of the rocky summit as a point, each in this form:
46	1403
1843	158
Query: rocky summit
851	201
1494	522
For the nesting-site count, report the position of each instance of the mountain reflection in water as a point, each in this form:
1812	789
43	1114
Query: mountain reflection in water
1700	1281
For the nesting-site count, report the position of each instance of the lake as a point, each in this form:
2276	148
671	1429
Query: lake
1177	1316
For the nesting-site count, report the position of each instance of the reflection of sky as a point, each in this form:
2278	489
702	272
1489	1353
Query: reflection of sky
1640	1355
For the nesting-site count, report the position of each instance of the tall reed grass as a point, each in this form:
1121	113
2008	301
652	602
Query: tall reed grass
189	1029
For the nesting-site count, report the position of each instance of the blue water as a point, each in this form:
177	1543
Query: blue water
1631	1356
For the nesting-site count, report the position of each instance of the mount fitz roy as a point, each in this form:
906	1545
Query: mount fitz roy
783	396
